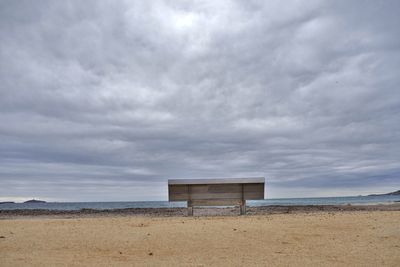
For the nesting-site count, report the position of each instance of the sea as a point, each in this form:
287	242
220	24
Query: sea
353	200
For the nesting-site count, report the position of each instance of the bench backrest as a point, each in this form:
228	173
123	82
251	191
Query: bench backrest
219	192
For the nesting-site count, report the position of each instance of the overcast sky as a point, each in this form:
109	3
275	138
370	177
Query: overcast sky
106	100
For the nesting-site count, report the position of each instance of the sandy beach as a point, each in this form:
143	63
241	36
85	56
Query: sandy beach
328	238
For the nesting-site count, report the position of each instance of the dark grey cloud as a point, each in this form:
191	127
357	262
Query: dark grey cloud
107	100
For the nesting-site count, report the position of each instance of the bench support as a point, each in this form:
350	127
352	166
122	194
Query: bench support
190	208
243	207
243	203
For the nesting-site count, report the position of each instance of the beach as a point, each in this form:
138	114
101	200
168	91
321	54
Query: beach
300	238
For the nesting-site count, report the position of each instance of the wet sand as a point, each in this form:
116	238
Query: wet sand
301	238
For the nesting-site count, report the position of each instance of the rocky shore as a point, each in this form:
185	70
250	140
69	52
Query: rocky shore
171	212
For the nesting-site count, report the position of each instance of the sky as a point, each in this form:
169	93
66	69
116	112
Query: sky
107	100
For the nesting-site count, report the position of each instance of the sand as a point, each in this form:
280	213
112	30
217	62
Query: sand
352	238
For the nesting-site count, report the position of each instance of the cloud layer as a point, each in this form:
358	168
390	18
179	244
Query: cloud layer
107	100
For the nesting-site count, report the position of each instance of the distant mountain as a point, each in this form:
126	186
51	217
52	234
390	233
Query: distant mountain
35	201
7	202
396	193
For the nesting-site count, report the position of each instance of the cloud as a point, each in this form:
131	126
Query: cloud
107	100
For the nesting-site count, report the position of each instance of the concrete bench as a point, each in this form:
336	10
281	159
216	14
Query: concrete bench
216	192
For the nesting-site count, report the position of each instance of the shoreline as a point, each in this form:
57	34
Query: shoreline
200	211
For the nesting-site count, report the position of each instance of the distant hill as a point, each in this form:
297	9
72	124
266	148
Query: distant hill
7	202
396	193
35	201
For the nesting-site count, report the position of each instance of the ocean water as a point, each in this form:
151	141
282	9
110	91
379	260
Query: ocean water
357	200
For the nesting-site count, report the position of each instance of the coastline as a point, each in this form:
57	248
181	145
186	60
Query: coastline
201	211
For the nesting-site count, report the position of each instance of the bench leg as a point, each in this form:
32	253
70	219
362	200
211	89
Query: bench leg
243	207
189	209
